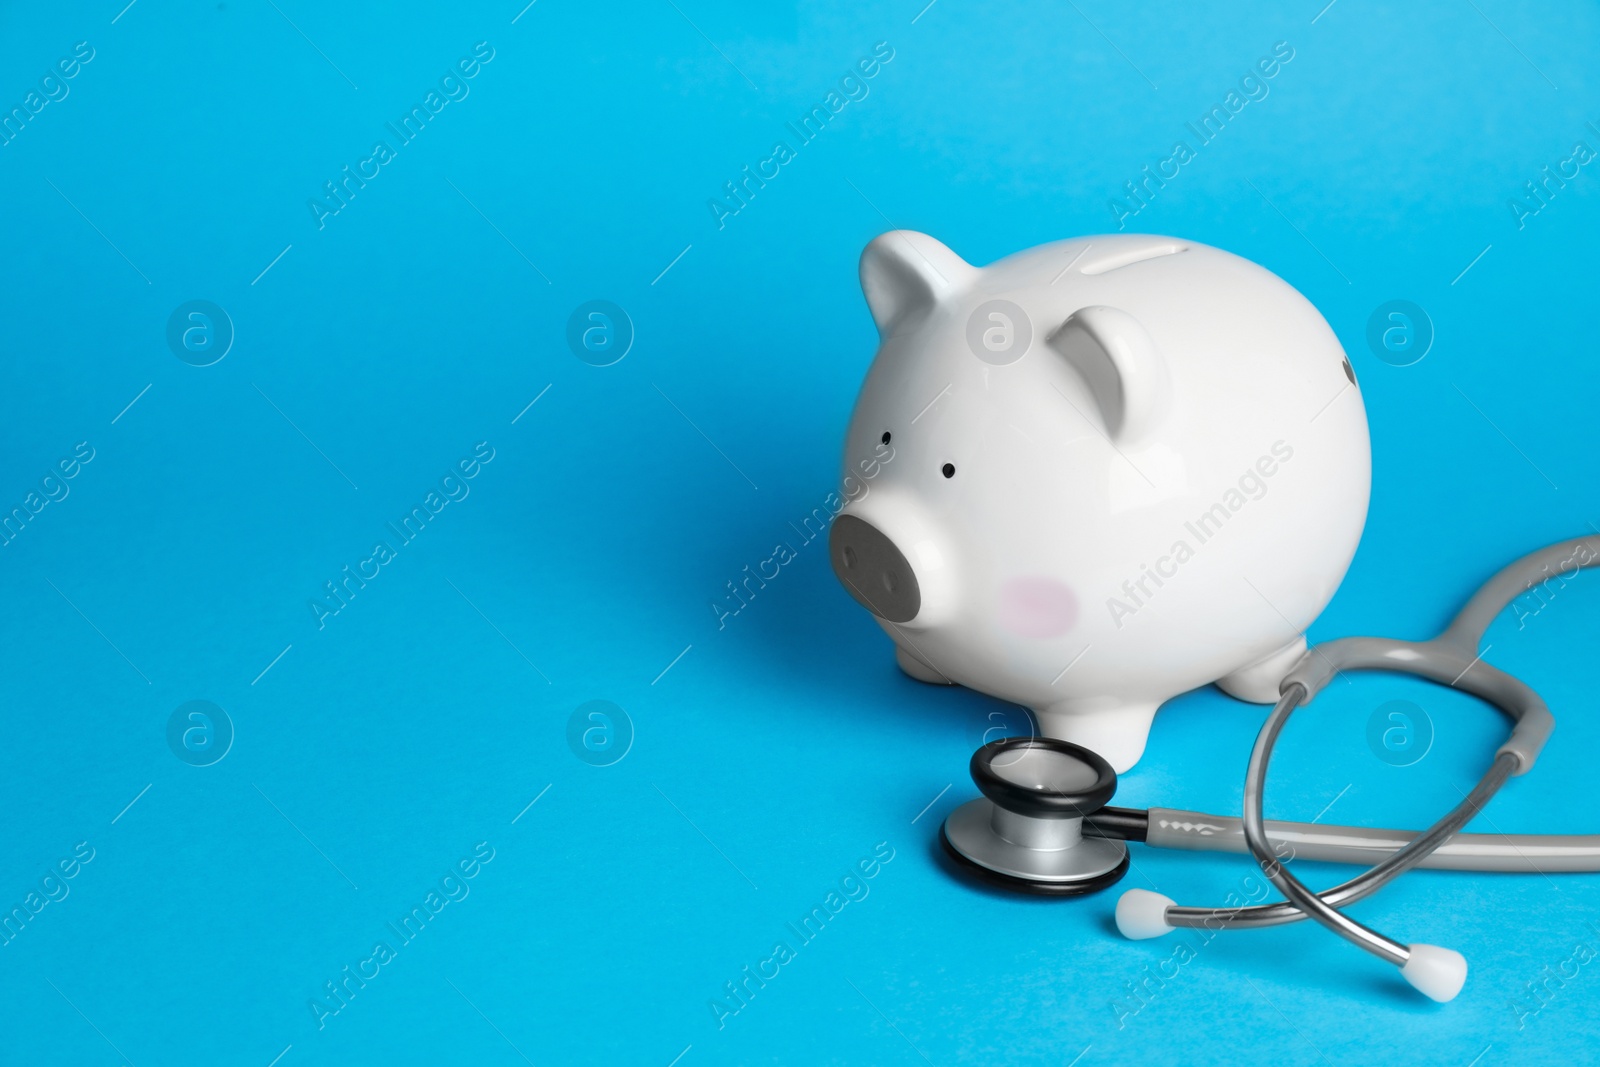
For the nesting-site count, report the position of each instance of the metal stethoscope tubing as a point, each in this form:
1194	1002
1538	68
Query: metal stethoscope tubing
1198	831
1399	860
1450	659
1311	904
1042	825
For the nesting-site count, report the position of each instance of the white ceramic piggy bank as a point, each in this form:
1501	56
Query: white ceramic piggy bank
1119	468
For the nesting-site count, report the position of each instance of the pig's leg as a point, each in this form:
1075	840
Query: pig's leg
916	668
1117	732
1258	683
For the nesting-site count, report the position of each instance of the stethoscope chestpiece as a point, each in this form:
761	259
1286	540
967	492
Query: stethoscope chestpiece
1026	832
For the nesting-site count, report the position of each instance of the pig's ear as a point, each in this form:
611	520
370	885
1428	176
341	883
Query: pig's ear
1120	364
905	275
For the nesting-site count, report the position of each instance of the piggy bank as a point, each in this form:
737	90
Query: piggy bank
1096	474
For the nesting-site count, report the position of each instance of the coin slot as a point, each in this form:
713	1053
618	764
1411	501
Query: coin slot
1127	257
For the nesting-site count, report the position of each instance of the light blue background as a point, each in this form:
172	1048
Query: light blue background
781	749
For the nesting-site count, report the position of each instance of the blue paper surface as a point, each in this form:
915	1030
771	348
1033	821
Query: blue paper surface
299	295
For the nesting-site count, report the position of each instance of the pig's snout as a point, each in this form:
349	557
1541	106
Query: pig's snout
874	570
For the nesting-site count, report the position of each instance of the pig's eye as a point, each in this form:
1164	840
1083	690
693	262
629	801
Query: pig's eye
886	437
949	470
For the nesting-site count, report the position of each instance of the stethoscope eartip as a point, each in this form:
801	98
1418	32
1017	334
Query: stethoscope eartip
1437	973
1142	914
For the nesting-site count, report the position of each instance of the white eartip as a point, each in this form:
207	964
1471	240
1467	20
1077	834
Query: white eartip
1437	972
1142	914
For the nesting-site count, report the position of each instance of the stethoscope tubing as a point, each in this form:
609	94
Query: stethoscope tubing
1451	659
1306	900
1019	850
1199	831
1392	860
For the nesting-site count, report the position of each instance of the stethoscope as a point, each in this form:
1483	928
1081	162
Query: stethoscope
1042	825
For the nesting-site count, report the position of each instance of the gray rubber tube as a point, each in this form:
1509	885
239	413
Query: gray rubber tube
1452	659
1514	853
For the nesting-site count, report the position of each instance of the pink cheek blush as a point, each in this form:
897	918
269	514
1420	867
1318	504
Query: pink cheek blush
1037	607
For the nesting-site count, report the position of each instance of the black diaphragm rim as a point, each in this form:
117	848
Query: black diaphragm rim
1041	802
